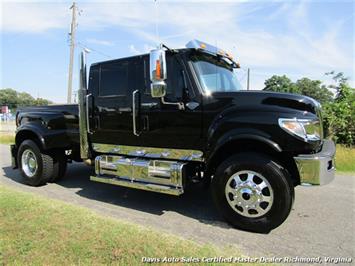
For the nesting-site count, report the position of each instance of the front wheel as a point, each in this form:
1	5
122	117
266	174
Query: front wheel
252	192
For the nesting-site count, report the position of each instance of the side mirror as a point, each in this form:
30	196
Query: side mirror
158	89
158	73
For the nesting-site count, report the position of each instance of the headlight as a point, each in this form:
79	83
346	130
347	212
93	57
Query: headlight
307	130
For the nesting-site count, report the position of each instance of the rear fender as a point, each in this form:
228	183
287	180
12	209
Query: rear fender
45	138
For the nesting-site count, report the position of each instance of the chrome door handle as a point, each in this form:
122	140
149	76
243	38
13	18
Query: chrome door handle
87	113
134	113
149	105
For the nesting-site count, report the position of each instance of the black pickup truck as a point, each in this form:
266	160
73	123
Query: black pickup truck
168	119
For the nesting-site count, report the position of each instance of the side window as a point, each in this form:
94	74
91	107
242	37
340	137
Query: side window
113	79
170	82
175	81
142	70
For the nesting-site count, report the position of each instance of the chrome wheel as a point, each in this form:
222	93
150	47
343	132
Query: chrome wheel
29	163
249	194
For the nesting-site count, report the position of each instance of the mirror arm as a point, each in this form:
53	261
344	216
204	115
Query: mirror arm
180	105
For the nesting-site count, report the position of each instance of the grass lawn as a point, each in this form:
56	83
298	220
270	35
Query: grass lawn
345	159
40	231
6	138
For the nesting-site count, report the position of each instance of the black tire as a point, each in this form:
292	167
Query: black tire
44	164
59	166
275	175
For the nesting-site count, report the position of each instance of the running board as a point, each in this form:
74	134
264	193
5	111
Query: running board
138	185
156	175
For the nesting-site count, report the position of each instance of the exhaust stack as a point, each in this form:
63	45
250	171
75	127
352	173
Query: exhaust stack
83	127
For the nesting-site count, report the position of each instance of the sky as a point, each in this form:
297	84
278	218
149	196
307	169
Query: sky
293	38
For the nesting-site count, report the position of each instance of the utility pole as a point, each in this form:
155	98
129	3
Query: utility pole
248	79
72	49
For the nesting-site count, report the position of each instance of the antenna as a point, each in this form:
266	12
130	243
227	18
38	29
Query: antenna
156	20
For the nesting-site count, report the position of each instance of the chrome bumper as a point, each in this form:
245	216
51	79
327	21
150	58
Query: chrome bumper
318	168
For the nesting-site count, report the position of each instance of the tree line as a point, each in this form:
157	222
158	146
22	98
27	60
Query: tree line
338	102
14	99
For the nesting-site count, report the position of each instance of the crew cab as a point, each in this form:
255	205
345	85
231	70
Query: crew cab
168	119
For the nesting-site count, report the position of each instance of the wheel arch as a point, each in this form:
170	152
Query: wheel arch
251	144
46	139
31	134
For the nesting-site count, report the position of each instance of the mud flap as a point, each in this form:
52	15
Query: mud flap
13	156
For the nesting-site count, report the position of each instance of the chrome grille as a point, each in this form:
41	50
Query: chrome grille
320	117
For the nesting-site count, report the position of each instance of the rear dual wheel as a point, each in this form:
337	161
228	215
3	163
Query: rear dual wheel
252	192
38	167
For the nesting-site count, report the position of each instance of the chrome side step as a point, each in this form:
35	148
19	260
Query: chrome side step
138	185
153	175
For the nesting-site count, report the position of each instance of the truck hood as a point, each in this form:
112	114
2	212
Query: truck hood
257	113
268	101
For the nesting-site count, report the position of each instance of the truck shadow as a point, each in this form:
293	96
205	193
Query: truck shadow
196	202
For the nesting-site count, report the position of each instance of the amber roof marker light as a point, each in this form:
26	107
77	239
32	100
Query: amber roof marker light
213	50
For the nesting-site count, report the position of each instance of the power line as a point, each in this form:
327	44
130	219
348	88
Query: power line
83	45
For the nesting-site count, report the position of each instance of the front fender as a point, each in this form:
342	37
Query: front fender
242	134
238	136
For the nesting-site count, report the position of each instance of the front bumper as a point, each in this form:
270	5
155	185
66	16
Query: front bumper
318	168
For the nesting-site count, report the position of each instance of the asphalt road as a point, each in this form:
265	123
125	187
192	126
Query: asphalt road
320	224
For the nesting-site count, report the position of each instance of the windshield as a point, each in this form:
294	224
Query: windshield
215	75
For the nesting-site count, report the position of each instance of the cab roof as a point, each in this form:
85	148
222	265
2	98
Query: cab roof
191	45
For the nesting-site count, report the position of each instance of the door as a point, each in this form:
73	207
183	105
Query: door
164	125
112	97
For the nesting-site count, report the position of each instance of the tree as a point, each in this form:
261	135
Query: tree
280	84
41	101
8	97
314	89
305	86
14	99
339	114
25	99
